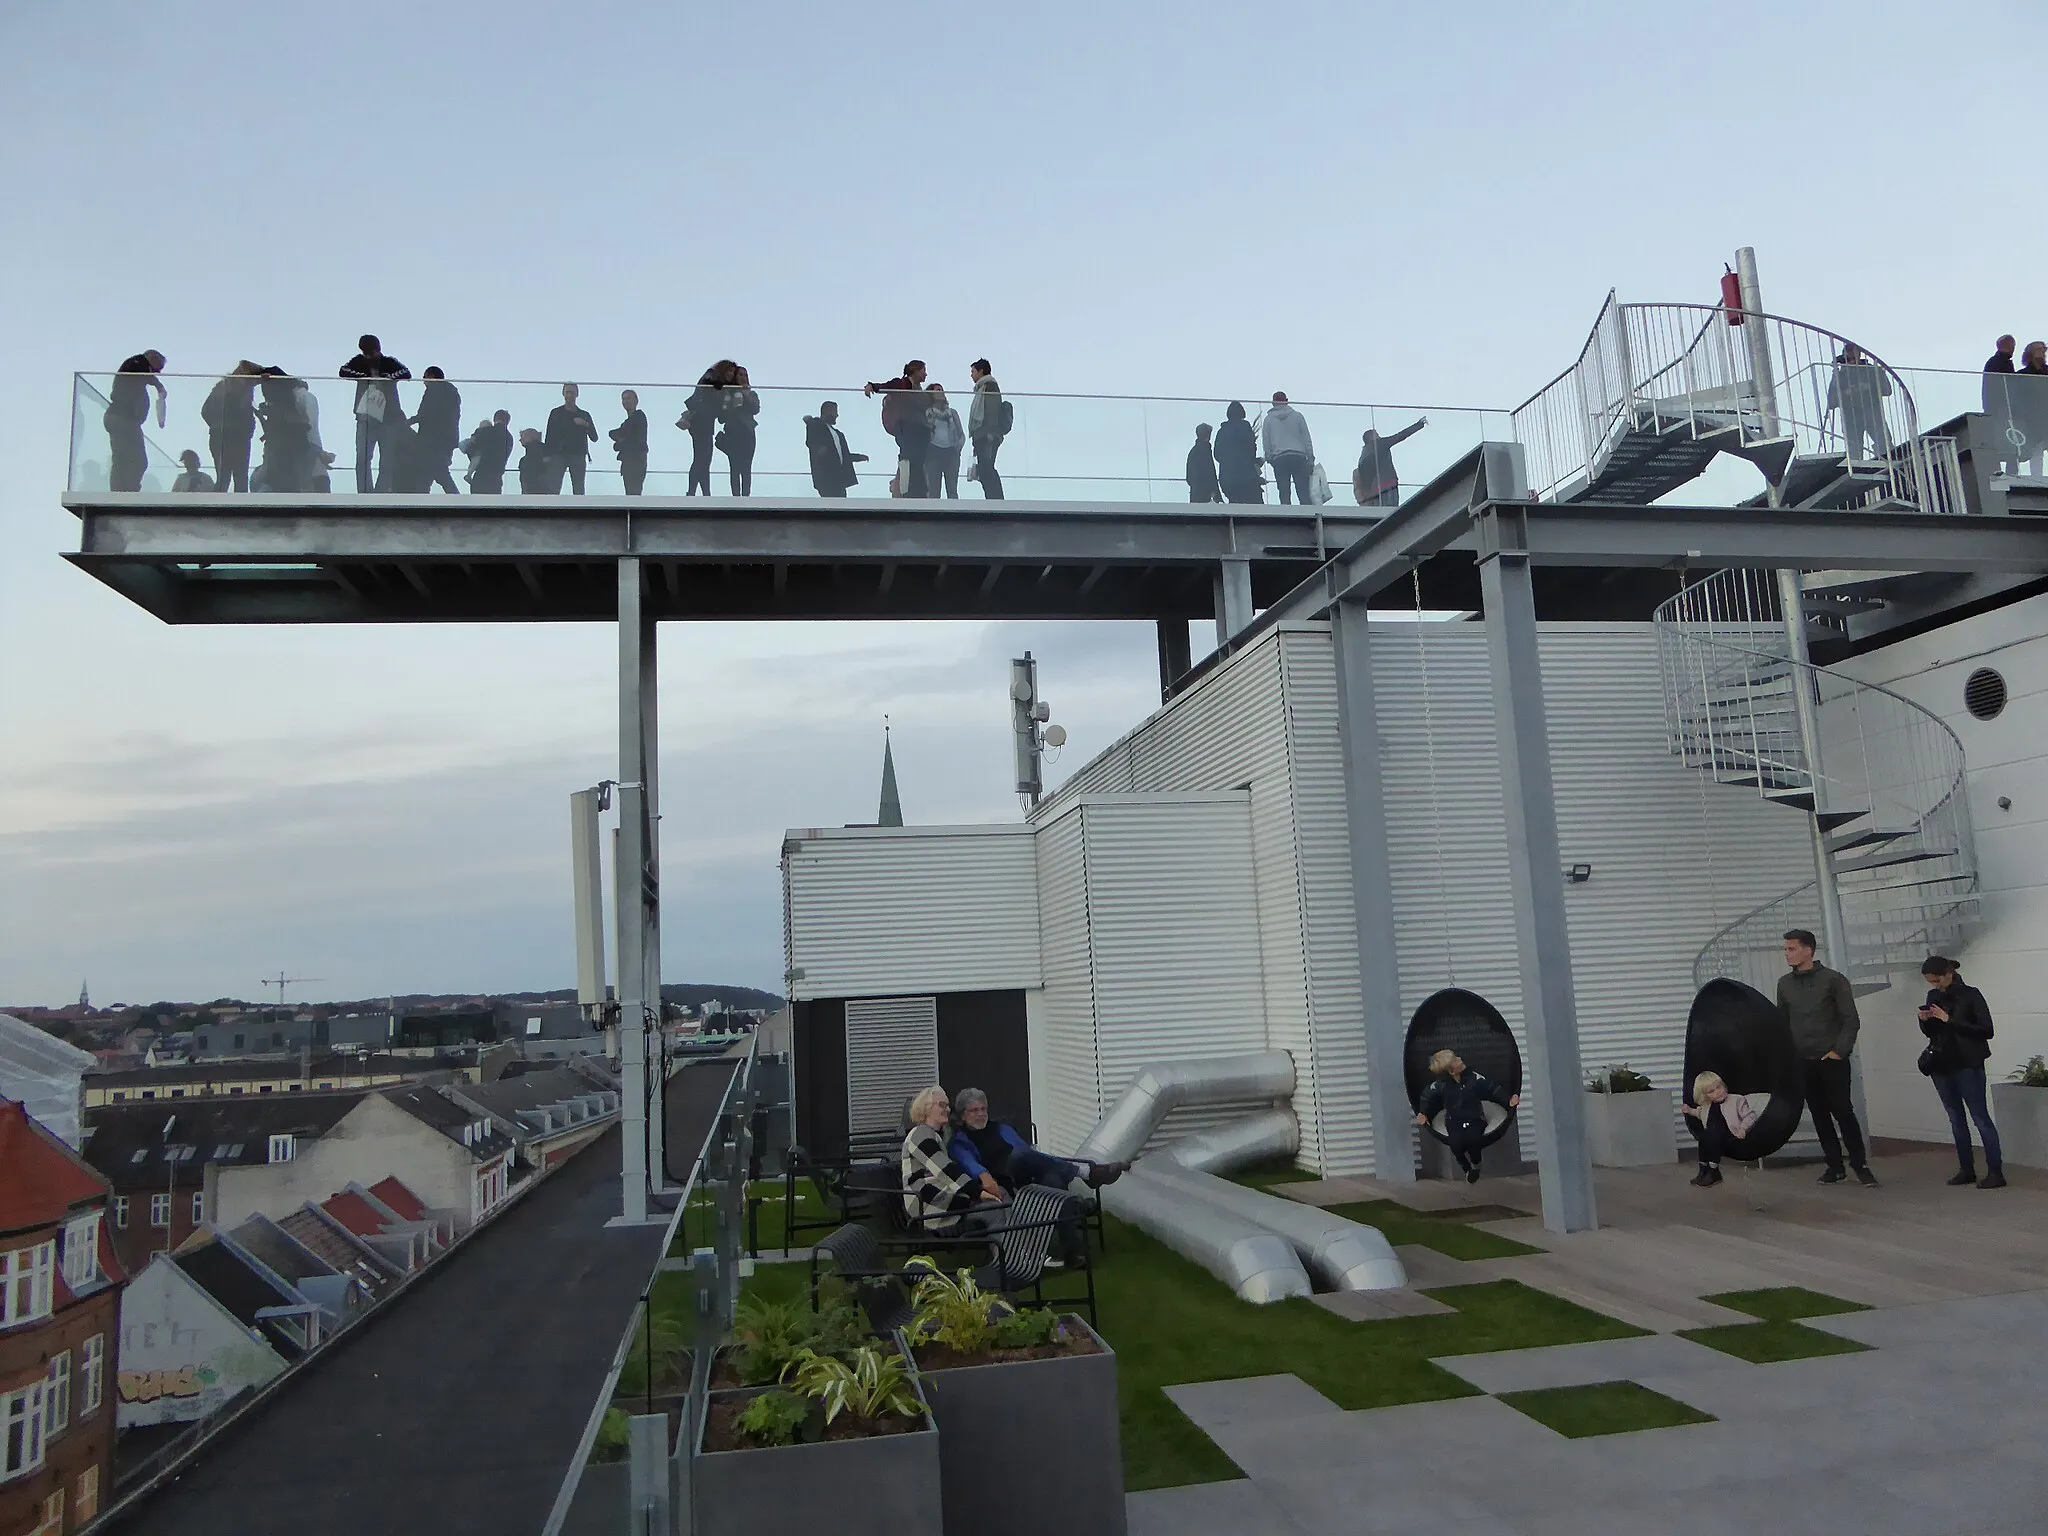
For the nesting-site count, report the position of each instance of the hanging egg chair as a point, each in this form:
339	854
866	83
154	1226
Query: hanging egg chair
1464	1022
1735	1030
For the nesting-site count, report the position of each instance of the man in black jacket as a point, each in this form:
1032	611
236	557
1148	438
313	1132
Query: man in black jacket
1461	1095
1820	1006
127	409
832	462
439	424
490	449
377	408
1957	1023
569	436
629	442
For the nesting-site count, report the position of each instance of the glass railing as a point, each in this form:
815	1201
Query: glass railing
2014	405
298	434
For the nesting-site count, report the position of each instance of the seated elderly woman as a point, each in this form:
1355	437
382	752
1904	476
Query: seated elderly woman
939	1194
1004	1161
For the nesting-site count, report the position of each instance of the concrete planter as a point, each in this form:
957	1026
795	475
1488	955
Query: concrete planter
602	1494
2021	1115
1631	1130
885	1486
1064	1409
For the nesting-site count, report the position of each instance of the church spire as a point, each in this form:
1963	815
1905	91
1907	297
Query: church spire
891	813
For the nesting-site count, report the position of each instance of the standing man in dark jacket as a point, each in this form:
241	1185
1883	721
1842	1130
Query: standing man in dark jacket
1820	1006
903	418
1998	398
1957	1023
569	436
127	409
629	442
1201	472
490	447
439	424
376	379
229	412
832	462
985	429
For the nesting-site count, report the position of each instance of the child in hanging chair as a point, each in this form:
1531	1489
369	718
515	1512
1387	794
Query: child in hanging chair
1725	1119
1460	1095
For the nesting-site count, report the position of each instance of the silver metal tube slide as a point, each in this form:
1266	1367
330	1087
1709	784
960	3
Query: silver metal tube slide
1259	1266
1342	1253
1263	1137
1163	1086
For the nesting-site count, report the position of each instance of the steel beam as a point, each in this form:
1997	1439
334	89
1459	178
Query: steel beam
1233	599
630	872
1372	896
1542	943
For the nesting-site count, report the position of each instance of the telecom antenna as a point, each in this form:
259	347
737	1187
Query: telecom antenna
1028	717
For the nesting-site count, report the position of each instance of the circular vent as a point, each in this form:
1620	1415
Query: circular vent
1984	694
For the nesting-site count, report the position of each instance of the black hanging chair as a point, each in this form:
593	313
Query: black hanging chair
1465	1022
1735	1030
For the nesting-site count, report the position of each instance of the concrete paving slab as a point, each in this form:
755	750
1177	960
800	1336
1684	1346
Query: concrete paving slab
1578	1365
1946	1322
1239	1508
1215	1405
1375	1306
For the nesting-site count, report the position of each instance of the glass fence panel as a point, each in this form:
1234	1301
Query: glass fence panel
296	434
2014	407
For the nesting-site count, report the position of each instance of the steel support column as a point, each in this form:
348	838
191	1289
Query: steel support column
636	655
1542	943
1176	654
1372	896
650	909
1233	599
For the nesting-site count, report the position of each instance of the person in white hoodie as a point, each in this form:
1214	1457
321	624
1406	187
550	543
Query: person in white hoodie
1289	450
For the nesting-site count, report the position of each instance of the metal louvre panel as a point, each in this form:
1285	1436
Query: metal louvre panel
1172	939
944	910
892	1054
1066	1087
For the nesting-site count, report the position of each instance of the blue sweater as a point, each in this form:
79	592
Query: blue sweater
968	1156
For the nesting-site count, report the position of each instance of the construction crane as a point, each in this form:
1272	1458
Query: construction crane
281	981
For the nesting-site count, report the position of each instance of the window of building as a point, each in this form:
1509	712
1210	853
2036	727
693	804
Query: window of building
25	1275
238	1088
177	1093
53	1515
277	1038
57	1400
198	1207
121	1213
21	1430
92	1365
149	1093
160	1210
119	1096
283	1148
87	1502
264	1089
238	1042
82	1251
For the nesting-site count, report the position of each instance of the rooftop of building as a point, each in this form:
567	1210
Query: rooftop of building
330	1064
134	1144
46	1181
473	1133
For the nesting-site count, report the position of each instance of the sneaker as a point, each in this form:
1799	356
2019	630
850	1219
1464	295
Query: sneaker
1967	1176
1707	1177
1866	1178
1054	1262
1833	1176
1472	1174
1100	1174
1995	1179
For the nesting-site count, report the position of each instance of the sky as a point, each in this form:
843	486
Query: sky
1351	201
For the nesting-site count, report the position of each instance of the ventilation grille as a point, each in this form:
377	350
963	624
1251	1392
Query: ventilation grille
1984	694
892	1051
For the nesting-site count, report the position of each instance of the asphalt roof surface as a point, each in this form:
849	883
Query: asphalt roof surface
458	1408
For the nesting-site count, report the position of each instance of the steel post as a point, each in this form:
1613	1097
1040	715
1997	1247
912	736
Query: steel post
1175	654
1756	331
1233	598
650	903
631	862
1542	942
1372	895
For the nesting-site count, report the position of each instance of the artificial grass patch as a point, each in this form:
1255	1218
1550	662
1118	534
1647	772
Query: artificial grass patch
1769	1342
1785	1303
1605	1408
1266	1175
772	1220
1447	1233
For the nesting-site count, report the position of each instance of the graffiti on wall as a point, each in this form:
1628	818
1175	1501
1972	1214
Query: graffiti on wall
148	1386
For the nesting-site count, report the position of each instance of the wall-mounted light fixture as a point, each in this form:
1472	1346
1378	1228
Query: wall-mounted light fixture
1579	874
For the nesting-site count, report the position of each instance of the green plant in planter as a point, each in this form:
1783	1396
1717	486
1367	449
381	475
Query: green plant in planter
777	1418
951	1309
613	1435
1027	1329
872	1384
771	1334
2031	1073
665	1339
1618	1079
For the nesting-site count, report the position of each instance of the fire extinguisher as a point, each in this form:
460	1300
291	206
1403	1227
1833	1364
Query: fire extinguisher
1731	295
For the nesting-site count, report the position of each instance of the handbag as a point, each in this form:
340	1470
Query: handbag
1931	1061
900	484
371	406
1319	485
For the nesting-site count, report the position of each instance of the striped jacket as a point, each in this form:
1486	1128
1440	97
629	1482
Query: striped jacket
934	1183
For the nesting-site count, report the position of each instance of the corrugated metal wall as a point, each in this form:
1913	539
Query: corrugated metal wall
892	1054
881	912
1066	1087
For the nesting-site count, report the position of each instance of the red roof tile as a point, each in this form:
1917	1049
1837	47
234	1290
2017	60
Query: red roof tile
400	1199
45	1178
355	1213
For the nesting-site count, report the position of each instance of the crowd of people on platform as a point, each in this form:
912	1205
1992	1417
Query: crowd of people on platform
2016	400
413	453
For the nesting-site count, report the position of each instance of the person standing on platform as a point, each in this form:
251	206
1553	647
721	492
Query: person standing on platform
903	418
1289	450
629	442
1858	389
490	449
569	436
832	462
1957	1023
376	377
700	420
2030	405
290	459
539	474
230	416
739	416
127	409
1820	1006
1998	396
1237	457
942	462
988	423
439	424
193	478
1201	471
1373	482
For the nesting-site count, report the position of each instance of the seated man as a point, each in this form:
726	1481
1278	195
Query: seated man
1460	1095
993	1152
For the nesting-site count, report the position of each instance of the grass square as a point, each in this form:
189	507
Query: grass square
1266	1175
1785	1303
1605	1408
1448	1233
1769	1342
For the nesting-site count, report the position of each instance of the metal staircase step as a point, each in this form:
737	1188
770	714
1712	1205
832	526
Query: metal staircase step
1867	837
1772	455
1892	859
1800	798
